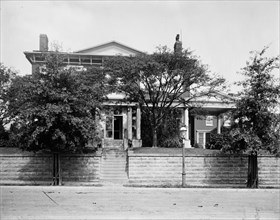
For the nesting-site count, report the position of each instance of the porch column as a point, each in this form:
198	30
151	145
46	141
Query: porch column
187	143
138	123
219	122
129	123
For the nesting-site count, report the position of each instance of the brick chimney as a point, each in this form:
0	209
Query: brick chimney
43	42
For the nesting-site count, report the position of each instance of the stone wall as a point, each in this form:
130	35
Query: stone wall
269	171
24	168
81	169
201	170
210	169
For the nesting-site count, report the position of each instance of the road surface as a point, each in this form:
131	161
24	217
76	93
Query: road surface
116	202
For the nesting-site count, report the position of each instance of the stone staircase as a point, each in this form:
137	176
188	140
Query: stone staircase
114	166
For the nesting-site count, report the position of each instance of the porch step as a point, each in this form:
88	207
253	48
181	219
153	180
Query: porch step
113	144
113	165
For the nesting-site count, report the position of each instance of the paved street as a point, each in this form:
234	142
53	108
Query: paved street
113	202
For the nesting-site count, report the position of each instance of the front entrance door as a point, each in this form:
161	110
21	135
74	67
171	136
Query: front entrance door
113	137
114	127
118	127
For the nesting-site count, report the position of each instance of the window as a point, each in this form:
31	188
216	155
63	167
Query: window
85	60
227	121
74	60
134	115
202	138
96	60
209	121
43	69
39	58
109	127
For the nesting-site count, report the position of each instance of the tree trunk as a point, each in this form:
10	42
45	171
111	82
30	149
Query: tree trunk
252	181
56	170
155	141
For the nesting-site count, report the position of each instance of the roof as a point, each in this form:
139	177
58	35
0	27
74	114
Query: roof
110	49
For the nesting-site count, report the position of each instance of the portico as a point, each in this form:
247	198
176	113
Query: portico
121	126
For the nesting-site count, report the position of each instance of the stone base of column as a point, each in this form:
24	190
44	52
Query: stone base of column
187	144
136	143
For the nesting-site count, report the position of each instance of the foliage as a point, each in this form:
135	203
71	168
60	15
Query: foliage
169	130
257	124
160	82
168	134
6	75
220	141
55	110
4	136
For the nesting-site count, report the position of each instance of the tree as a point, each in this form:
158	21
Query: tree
255	115
6	75
255	122
55	110
160	82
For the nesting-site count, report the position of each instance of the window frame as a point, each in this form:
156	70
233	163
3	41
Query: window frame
209	121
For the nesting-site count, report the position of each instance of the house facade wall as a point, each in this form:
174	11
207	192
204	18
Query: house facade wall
200	123
201	129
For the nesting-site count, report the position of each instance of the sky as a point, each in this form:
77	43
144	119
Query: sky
220	33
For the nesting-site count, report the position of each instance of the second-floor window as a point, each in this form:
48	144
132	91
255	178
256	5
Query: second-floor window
209	121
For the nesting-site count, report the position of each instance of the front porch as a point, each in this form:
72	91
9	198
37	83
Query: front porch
121	126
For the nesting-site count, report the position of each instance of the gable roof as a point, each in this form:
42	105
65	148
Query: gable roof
110	49
216	97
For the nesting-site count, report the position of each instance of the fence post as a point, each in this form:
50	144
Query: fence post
57	180
252	181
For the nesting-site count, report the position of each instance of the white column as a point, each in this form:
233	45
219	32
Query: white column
187	143
129	123
219	122
138	123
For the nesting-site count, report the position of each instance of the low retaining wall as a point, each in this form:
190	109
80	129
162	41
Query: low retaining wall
25	168
81	169
201	170
207	168
269	171
210	169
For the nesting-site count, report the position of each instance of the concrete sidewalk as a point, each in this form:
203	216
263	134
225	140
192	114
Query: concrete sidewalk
116	202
